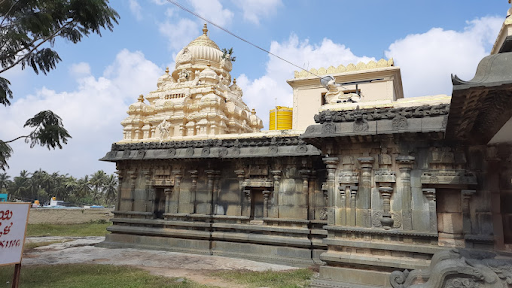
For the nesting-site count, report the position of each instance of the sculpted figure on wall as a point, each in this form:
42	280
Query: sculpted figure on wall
163	128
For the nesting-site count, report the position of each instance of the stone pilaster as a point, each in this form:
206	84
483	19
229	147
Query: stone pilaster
386	220
331	163
466	211
305	188
430	194
210	174
193	189
133	178
266	194
177	191
216	192
405	164
363	201
148	195
276	175
240	174
119	189
168	192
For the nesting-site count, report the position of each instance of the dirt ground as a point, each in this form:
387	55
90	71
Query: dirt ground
197	268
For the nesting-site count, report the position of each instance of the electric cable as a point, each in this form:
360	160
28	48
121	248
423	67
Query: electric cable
238	37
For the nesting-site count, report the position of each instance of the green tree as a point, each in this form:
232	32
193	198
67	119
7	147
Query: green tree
110	189
5	182
28	30
98	181
228	54
20	187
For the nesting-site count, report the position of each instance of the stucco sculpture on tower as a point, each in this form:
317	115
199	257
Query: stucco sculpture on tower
196	100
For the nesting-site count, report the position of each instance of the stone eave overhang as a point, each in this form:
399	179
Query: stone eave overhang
366	123
481	106
212	149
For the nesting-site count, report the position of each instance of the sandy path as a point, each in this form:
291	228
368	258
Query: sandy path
170	264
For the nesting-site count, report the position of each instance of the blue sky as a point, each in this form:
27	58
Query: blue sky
99	77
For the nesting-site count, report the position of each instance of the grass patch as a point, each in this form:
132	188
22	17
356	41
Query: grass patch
285	279
79	230
82	275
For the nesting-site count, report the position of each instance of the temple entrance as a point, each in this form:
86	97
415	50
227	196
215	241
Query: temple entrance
159	203
257	204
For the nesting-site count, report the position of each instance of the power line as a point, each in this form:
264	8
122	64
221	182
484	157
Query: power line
236	36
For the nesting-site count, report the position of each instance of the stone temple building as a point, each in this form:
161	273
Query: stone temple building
378	189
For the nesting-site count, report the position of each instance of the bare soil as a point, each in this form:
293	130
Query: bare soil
198	268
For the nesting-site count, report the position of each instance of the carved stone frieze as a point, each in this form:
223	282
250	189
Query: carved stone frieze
348	177
258	183
361	125
453	177
382	113
399	122
384	176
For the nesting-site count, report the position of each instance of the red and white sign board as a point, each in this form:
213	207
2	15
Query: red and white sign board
13	224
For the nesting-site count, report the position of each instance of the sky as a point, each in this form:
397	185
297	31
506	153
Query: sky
98	78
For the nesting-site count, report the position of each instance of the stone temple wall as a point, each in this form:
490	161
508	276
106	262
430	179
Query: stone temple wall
253	198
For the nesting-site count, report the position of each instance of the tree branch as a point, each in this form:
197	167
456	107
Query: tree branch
35	47
17	138
8	11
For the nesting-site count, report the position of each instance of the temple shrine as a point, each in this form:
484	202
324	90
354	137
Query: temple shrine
378	189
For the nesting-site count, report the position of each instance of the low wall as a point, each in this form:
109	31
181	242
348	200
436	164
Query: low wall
67	216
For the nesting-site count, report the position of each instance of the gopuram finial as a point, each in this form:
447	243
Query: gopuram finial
205	29
167	70
141	98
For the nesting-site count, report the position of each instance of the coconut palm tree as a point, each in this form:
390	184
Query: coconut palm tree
110	189
4	181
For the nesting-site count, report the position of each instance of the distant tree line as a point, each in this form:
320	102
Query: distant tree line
95	189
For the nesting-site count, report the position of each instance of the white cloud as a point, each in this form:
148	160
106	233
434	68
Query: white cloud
255	9
427	60
136	9
180	31
179	34
213	11
91	113
260	93
80	69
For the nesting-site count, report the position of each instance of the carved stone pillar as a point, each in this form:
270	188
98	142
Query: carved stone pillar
177	188
167	192
276	175
216	193
430	194
363	205
247	204
405	164
240	174
312	205
133	177
386	220
347	211
466	212
119	189
210	174
331	163
344	196
147	196
266	194
351	214
193	189
305	188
